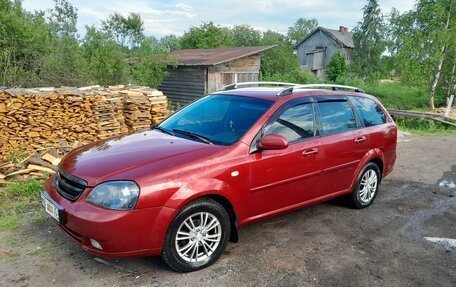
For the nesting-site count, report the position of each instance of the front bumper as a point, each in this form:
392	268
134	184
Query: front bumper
121	233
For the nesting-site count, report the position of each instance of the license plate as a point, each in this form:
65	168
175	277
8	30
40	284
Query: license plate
50	208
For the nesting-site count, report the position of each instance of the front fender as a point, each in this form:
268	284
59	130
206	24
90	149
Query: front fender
192	190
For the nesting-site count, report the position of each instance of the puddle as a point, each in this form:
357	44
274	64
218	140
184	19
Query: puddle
446	242
448	179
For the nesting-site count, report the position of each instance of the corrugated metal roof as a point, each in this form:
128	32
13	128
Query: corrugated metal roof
343	38
211	57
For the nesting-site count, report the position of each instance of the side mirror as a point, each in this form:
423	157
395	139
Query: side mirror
273	142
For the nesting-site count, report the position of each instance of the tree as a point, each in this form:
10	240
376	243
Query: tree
24	39
337	67
301	28
278	60
152	62
64	64
63	19
170	42
369	40
244	35
106	59
207	35
423	41
127	31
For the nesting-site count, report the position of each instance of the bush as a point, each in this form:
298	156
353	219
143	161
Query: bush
297	76
337	67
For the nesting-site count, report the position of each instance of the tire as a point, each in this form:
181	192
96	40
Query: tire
365	192
198	245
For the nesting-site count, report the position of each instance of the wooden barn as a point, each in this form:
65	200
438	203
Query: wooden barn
202	71
315	51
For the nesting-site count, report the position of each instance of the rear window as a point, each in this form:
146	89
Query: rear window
371	114
336	117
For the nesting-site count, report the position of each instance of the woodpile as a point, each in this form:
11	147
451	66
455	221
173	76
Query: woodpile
31	119
37	164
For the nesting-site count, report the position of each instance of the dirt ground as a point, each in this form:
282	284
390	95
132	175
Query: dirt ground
327	244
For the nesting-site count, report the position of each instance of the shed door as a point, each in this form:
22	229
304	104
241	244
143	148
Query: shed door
317	60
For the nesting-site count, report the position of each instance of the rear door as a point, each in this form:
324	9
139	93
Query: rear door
280	178
343	141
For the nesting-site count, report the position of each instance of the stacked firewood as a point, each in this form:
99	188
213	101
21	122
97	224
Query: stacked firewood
33	118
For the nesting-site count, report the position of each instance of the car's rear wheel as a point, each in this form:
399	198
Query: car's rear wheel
197	236
367	186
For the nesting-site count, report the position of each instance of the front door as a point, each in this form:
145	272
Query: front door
280	178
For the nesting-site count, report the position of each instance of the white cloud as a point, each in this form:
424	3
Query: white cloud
176	16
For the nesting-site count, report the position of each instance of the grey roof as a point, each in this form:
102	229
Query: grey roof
216	56
343	38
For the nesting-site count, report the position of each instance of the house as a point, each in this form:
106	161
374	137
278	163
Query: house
197	72
316	50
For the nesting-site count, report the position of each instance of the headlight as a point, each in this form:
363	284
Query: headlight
120	195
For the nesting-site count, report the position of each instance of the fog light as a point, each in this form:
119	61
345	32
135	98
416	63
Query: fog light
95	244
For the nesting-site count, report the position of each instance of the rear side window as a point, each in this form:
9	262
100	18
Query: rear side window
336	117
370	113
295	123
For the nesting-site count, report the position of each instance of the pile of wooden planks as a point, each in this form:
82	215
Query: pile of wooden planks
35	164
31	118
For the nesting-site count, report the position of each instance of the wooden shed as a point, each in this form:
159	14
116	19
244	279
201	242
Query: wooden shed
202	71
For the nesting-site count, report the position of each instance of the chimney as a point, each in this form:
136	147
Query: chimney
343	29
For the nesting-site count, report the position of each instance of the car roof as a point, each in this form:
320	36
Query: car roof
270	93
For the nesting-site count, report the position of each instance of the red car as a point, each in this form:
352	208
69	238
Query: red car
184	188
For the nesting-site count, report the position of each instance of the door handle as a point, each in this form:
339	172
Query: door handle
310	152
360	139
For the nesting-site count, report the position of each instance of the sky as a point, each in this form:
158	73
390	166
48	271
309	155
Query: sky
163	17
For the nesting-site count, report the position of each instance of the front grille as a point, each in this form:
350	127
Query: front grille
68	185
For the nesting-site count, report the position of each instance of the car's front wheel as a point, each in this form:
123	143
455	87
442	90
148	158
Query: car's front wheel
367	186
197	236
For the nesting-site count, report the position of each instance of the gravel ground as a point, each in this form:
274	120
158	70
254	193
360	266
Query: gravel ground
327	244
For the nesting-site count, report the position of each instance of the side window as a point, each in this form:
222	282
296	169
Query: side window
295	123
370	113
336	117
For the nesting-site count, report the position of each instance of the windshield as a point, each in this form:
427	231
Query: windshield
217	119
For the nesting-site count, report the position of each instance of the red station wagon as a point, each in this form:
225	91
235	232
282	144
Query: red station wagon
184	188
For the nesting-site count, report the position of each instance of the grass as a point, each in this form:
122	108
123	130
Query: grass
16	201
424	127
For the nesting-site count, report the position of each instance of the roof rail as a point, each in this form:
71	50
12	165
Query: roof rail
334	87
237	85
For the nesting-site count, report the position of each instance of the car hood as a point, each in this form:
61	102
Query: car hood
132	155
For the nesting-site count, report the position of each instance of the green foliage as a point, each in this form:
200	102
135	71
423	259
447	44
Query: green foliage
127	31
296	76
337	67
369	38
24	38
279	60
207	35
301	28
420	39
151	68
63	19
170	42
244	35
424	127
106	59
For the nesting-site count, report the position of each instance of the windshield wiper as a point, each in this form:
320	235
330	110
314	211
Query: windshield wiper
163	130
188	133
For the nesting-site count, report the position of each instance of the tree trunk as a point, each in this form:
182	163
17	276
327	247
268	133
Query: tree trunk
438	70
438	67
